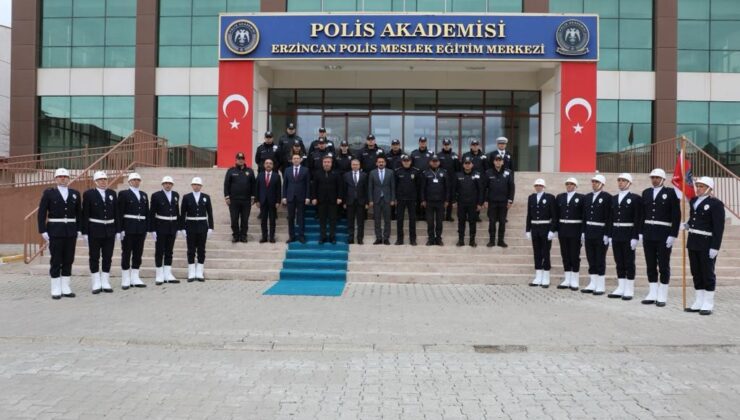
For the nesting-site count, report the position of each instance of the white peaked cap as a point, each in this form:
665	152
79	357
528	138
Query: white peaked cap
167	179
599	178
99	175
196	181
572	180
540	181
61	172
658	172
625	176
709	182
134	175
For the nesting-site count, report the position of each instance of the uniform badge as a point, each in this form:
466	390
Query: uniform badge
476	176
629	200
601	200
544	200
665	196
174	198
205	199
706	207
577	199
441	175
483	157
274	147
110	197
412	176
380	151
506	174
74	196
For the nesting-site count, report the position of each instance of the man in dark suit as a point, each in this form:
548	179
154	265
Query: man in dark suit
164	215
296	187
100	229
269	188
381	195
354	197
133	212
326	186
626	219
59	220
196	225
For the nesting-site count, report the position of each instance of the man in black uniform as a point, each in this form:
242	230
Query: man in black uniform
326	187
570	233
467	192
421	156
449	161
59	221
542	223
626	218
315	144
196	225
393	158
596	221
267	150
501	143
662	213
706	227
499	196
296	149
369	153
100	229
239	187
133	211
343	158
267	198
435	197
408	186
480	161
286	141
164	215
354	197
316	158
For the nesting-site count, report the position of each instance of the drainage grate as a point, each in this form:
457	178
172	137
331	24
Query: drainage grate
506	348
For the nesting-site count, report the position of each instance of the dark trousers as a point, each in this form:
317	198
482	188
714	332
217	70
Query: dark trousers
296	217
657	255
132	248
268	212
497	214
702	270
596	256
466	213
448	213
406	206
624	257
541	247
163	249
196	244
327	214
98	246
62	252
435	213
239	211
570	251
356	217
382	217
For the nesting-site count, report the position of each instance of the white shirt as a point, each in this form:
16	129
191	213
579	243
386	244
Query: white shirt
196	195
381	174
502	152
596	194
168	194
570	195
698	201
539	196
296	170
102	193
64	191
356	176
656	191
622	194
136	192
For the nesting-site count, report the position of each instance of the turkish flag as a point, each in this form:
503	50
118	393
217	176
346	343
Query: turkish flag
235	111
577	117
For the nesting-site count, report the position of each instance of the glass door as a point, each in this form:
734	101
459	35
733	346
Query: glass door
460	129
353	128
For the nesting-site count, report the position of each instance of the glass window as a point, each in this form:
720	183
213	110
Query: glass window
605	9
415	126
188	120
608	33
120	56
120	31
88	32
421	100
608	59
468	5
203	132
121	8
693	9
566	6
88	56
56	32
386	99
56	106
304	5
88	8
429	6
725	9
173	106
724	113
208	7
640	9
693	34
174	30
692	112
342	5
725	35
57	8
725	61
617	119
380	6
118	106
87	106
205	30
243	5
463	101
635	33
527	102
505	6
56	57
693	60
309	99
175	7
203	106
635	60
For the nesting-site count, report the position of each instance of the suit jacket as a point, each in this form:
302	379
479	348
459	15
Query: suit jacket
93	207
326	187
128	204
269	195
377	191
161	206
709	216
296	188
665	208
55	207
352	193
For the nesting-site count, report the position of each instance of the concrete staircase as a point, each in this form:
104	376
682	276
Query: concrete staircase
395	264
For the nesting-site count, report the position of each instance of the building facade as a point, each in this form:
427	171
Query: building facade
4	90
87	72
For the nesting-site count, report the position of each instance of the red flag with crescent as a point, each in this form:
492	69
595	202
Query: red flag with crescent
235	111
578	117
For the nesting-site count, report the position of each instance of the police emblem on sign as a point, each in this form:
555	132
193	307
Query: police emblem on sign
242	37
572	37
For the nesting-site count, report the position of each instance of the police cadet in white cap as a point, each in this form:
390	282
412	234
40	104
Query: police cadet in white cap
196	224
59	220
570	233
626	217
164	215
542	223
706	226
133	213
662	214
596	216
100	229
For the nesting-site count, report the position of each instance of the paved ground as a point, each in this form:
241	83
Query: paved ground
222	350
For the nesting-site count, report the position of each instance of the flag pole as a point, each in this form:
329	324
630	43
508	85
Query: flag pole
683	212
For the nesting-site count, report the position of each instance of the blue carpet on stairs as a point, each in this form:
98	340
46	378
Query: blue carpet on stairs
311	269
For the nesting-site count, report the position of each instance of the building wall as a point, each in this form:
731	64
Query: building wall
4	90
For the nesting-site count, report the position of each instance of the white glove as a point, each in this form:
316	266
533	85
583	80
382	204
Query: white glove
79	235
528	235
669	241
123	235
713	253
550	236
683	226
210	232
639	237
583	237
154	235
607	240
118	236
45	235
183	233
633	244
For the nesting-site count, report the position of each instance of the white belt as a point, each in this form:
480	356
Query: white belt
700	232
596	223
102	221
62	220
568	221
657	222
196	218
134	216
623	224
169	218
540	222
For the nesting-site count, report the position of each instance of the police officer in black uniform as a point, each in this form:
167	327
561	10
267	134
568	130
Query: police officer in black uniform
421	156
480	160
267	150
435	197
315	144
662	213
368	154
196	225
164	217
498	195
542	223
286	141
450	162
239	189
393	157
100	228
626	218
316	158
706	227
408	186
467	192
59	222
501	143
133	212
326	193
596	221
343	158
570	233
287	158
